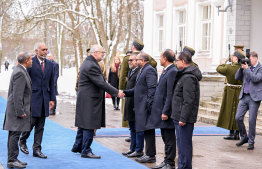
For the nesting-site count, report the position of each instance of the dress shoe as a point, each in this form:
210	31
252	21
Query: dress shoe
90	155
74	150
39	154
146	159
23	163
24	148
128	152
135	154
237	135
52	112
128	139
159	166
241	142
230	137
250	146
15	164
117	108
168	166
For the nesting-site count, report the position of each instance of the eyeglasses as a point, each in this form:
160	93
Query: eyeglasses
178	60
138	59
101	52
130	60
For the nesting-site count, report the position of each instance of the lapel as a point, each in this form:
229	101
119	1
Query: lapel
91	58
137	69
28	77
36	64
141	71
47	67
165	72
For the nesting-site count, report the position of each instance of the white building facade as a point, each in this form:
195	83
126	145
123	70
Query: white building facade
169	24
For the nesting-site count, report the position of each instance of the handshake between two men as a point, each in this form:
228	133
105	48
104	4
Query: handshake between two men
121	94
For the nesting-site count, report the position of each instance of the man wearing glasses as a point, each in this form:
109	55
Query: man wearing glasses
90	105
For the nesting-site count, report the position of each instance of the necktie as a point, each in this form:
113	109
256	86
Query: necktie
42	66
131	72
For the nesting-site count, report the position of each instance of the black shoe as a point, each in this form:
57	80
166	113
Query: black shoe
168	166
52	112
75	150
128	139
231	136
23	163
146	159
90	155
135	154
250	146
15	164
24	148
241	142
159	166
117	108
39	154
237	135
128	152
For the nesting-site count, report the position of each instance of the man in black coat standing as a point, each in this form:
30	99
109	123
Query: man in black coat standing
90	104
162	108
56	75
143	93
18	111
185	103
137	138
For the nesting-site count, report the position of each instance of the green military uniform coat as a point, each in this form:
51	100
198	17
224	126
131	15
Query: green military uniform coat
230	99
123	71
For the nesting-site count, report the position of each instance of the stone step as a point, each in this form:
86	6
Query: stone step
217	99
209	112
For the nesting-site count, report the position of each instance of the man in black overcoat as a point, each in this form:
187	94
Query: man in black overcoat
90	104
137	138
143	93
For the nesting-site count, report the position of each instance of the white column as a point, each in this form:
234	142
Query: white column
169	25
148	26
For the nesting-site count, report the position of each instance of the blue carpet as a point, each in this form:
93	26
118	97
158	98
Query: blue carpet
57	143
198	131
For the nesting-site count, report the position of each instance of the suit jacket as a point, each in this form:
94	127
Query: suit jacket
255	83
90	104
18	101
56	75
162	103
129	113
43	86
143	93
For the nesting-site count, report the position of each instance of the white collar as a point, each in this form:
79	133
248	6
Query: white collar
22	66
168	66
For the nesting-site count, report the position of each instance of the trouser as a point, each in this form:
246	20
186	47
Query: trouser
12	145
6	68
115	101
150	140
38	123
169	139
184	144
84	139
137	138
245	104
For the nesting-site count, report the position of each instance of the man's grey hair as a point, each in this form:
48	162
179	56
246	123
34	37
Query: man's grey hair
95	48
36	47
22	57
144	56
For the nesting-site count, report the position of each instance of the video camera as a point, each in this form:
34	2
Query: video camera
247	60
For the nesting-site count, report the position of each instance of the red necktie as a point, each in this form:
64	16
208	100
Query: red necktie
42	66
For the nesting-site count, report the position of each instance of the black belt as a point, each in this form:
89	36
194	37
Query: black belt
246	93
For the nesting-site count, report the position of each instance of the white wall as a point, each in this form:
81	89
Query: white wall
256	27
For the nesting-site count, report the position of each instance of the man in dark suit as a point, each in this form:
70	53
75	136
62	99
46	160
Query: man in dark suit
18	113
143	93
43	97
162	109
249	99
90	104
137	138
56	75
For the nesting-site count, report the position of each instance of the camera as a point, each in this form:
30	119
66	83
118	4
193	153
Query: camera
247	58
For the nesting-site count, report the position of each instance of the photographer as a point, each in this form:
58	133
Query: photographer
231	93
250	98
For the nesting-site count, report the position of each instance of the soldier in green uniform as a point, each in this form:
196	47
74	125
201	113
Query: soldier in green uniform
124	69
230	100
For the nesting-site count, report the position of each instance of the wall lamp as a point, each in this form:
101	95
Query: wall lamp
219	3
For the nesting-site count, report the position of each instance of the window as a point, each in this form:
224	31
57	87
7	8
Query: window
206	27
182	29
160	31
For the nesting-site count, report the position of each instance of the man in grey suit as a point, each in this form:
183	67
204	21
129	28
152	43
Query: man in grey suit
250	98
90	104
18	113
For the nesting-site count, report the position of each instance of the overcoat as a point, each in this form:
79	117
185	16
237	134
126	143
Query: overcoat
90	104
18	101
43	86
113	79
162	100
129	113
226	118
143	93
56	75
